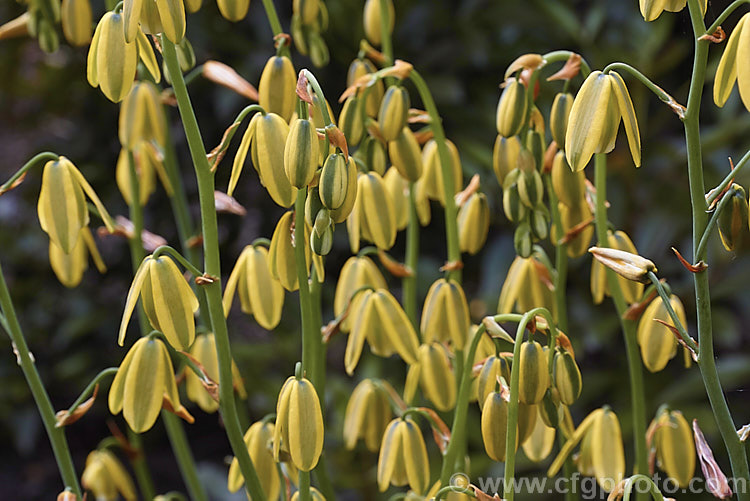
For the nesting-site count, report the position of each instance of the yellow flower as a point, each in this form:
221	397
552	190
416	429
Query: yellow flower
675	448
539	445
142	116
357	272
445	316
204	351
371	20
144	384
436	377
658	343
733	65
299	423
403	457
632	291
258	439
527	285
276	88
373	217
652	9
112	59
106	477
626	264
76	20
367	415
167	299
69	268
281	257
154	17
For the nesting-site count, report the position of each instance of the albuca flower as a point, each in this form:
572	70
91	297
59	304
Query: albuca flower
258	439
658	343
204	351
733	65
299	423
168	300
434	373
652	9
144	384
367	415
69	268
107	478
631	290
601	103
153	17
626	264
112	59
675	449
527	285
403	457
373	216
445	316
356	273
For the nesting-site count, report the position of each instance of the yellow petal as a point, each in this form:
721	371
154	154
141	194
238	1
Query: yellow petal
143	392
116	59
588	120
106	218
92	68
135	290
363	311
390	449
629	120
305	425
172	14
147	57
239	159
266	294
174	303
117	390
231	285
743	73
415	456
397	325
62	206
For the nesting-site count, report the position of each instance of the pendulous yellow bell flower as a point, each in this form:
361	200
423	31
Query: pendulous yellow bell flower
566	377
258	439
154	17
494	425
433	172
539	445
601	103
142	116
403	457
76	20
371	20
493	368
406	155
512	108
299	423
367	415
261	295
675	448
378	318
112	60
652	9
148	162
268	142
144	384
394	112
204	351
69	268
357	272
281	257
168	300
276	88
373	217
733	65
658	343
301	153
106	477
527	285
445	316
473	223
436	376
62	204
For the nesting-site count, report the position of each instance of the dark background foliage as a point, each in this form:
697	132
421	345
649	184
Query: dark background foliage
462	49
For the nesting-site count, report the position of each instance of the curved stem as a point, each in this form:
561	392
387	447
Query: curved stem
166	249
714	193
700	251
564	55
637	395
212	266
436	125
37	159
724	15
658	91
26	361
675	319
86	393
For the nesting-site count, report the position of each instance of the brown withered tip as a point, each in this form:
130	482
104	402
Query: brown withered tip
677	335
68	495
576	230
205	279
463	196
483	496
337	139
423	135
226	76
452	266
282	40
216	155
417	116
181	411
635	310
301	88
371	52
525	62
440	431
124	228
571	68
5	189
698	267
211	386
398	270
400	69
228	205
64	418
717	36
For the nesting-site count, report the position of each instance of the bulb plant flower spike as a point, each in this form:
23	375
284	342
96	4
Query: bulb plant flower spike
367	415
168	300
403	457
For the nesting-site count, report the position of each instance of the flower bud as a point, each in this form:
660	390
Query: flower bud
526	286
566	377
558	117
111	60
403	457
406	155
494	426
733	221
569	186
522	240
268	144
261	295
626	264
77	21
533	373
69	268
299	423
62	204
530	185
371	20
339	215
632	291
233	10
473	224
527	417
106	477
315	495
398	188
433	172
512	108
307	10
321	242
356	273
359	68
539	445
367	415
350	120
445	315
276	89
47	36
675	449
505	156
607	455
539	222
513	206
281	256
372	154
301	153
334	181
143	384
257	439
142	116
658	343
394	112
492	370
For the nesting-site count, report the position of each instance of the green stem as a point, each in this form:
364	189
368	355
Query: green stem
707	363
561	259
700	251
47	412
564	55
137	253
458	430
310	339
658	91
713	194
409	283
637	395
273	20
436	125
724	15
166	249
140	466
304	486
37	159
385	33
111	371
212	266
185	460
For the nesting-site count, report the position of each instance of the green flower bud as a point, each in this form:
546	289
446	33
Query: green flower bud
111	60
505	156
350	120
301	153
406	155
533	373
522	240
512	108
473	223
334	181
359	68
394	112
558	117
733	221
276	89
569	186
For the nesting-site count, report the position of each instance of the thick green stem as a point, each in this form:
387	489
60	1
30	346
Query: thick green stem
185	461
47	412
304	486
273	20
140	465
310	339
436	126
713	195
409	283
212	267
707	362
637	395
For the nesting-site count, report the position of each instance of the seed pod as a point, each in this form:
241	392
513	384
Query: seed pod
339	215
106	477
394	112
526	287
372	154
406	155
487	380
675	449
403	457
350	120
375	217
473	224
539	445
359	68
143	383
494	425
76	21
658	343
356	273
378	318
111	60
334	181
371	20
276	89
233	10
299	423
301	153
522	241
257	438
398	188
505	156
433	172
566	377
261	295
512	108
204	350
533	373
569	186
539	222
558	117
445	316
437	379
607	455
514	208
733	222
367	415
269	142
